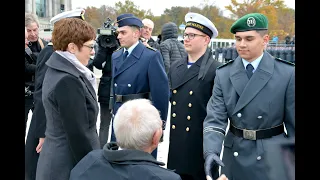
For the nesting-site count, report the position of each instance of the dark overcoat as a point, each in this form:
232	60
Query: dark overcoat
102	61
188	110
110	163
71	111
38	121
38	116
264	101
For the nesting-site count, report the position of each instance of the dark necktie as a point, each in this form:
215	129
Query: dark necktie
125	54
249	69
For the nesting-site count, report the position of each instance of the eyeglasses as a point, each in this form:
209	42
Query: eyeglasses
191	36
91	46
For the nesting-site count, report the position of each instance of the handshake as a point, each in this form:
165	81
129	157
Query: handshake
211	167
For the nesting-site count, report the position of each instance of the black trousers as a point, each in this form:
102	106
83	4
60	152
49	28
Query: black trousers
105	119
31	155
28	104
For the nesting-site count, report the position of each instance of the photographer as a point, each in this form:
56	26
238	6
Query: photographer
107	43
30	67
33	45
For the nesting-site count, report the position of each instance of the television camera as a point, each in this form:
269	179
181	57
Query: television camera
107	35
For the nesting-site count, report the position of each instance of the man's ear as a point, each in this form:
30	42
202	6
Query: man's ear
207	40
156	137
265	39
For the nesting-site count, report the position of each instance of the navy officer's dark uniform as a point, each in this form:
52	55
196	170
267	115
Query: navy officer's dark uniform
140	75
191	90
257	106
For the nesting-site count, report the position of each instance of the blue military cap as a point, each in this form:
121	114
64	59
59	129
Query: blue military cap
128	20
76	13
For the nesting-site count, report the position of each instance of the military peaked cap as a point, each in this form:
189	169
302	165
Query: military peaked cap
201	23
128	20
76	13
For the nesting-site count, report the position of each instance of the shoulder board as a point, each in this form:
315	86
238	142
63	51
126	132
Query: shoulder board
50	44
285	61
223	65
151	48
118	49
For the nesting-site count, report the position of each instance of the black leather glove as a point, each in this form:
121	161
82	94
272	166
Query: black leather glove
161	139
163	128
99	40
164	125
211	165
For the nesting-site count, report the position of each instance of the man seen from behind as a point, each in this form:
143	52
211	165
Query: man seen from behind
129	158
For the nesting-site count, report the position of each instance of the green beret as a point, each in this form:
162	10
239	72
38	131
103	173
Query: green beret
249	22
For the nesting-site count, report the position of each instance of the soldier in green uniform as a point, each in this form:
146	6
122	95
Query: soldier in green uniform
256	92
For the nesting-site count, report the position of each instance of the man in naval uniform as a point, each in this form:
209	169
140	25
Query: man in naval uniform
192	80
256	92
37	127
138	70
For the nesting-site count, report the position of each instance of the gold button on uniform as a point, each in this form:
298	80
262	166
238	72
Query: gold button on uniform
190	92
174	103
173	126
190	105
174	115
188	117
187	129
174	91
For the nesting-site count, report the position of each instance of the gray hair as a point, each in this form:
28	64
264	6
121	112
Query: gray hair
30	18
148	21
135	124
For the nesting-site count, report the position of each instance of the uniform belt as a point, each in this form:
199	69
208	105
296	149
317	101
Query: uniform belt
124	98
257	134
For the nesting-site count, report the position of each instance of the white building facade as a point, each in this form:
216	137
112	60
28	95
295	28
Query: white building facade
46	9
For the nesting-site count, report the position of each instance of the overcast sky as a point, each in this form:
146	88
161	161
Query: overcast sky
158	6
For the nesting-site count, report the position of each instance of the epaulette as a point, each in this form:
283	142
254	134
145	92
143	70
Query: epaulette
50	44
151	48
285	61
118	49
223	65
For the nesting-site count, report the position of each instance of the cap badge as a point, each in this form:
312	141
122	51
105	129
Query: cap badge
251	22
82	15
